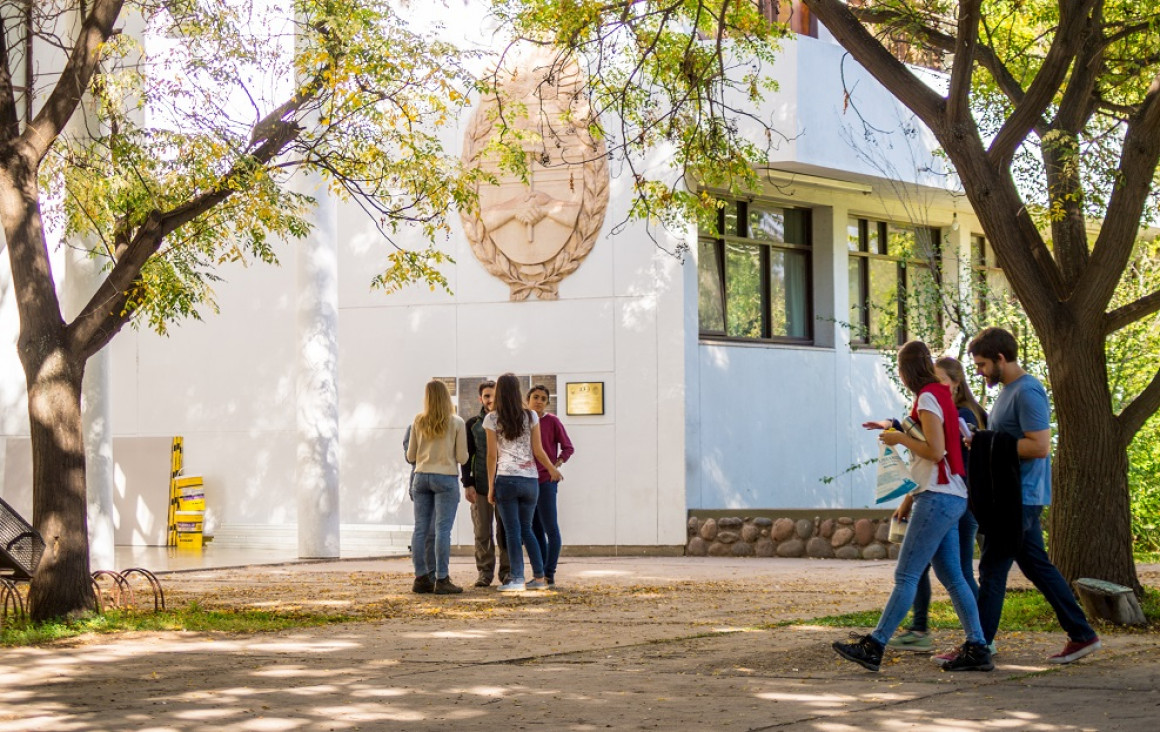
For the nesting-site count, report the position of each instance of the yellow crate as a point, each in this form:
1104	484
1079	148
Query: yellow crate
191	504
189	540
188	520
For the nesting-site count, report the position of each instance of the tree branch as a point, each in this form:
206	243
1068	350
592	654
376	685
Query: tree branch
1121	224
1046	83
1133	416
9	118
74	79
984	54
882	65
106	312
959	98
1127	314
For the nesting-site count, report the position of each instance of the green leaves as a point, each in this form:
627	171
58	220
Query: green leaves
676	81
205	120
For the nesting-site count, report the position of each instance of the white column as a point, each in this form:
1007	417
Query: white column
82	276
316	476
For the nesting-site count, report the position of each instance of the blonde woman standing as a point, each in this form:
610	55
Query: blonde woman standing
437	448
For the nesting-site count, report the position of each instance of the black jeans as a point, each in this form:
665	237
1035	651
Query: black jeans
1031	556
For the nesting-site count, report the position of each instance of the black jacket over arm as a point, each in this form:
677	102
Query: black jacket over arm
996	488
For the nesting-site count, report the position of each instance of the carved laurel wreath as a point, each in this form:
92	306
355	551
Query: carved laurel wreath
541	279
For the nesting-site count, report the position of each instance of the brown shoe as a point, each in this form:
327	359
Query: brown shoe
423	585
483	580
444	587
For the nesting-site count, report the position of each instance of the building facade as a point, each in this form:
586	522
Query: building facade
734	377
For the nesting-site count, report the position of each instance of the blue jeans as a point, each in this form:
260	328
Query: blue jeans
546	527
968	528
1033	561
515	498
436	498
429	548
932	537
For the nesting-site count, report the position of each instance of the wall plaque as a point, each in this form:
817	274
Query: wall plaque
584	397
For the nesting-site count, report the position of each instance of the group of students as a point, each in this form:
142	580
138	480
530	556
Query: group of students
511	453
940	528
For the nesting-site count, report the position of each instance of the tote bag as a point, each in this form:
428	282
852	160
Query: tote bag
894	477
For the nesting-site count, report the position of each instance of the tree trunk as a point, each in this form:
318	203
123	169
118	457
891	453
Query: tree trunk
1090	526
62	586
53	373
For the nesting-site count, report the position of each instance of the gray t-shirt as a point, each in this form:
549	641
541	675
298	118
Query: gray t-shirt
515	456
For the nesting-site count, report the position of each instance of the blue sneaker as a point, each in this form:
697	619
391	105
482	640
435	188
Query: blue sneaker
513	585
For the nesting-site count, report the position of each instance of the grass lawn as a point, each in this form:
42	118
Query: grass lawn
191	617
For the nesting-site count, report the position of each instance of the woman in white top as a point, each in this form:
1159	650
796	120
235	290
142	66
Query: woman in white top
934	509
437	448
513	447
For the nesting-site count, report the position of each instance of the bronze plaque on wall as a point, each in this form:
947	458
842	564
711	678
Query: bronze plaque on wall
584	397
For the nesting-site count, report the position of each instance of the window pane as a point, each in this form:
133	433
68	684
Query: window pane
797	226
857	265
710	304
854	236
788	294
922	305
743	290
900	242
874	241
731	219
766	224
883	299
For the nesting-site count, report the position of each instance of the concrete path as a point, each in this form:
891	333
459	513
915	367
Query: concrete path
664	644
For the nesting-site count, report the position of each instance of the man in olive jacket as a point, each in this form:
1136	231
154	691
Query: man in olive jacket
474	479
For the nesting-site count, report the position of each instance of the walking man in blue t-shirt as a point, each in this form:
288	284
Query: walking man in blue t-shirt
1023	412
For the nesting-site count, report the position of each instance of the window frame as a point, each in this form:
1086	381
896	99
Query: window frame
719	242
865	257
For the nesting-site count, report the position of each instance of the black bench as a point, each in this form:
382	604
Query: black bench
20	545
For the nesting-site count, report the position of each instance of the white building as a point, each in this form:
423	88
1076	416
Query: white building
741	394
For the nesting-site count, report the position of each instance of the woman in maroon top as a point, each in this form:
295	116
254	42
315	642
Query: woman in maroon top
545	525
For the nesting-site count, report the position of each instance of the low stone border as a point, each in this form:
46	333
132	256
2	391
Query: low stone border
841	538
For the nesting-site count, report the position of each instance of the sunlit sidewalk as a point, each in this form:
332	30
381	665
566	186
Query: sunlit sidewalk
160	559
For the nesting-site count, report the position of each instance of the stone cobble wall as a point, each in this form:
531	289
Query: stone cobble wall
841	538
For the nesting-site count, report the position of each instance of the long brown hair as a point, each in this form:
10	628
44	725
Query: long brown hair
916	366
960	389
435	418
510	414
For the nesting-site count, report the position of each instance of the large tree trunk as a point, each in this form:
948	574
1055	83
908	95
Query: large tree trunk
53	373
1090	527
62	585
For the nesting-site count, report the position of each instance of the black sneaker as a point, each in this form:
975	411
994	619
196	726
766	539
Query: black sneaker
444	587
423	585
865	651
971	657
484	580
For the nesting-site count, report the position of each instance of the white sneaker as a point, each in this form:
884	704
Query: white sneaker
512	586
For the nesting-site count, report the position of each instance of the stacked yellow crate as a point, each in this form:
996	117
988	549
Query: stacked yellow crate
190	514
186	503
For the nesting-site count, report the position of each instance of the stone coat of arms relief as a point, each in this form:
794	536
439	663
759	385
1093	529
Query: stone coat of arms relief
532	233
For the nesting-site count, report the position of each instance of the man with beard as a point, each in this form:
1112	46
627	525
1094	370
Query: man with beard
474	478
1023	412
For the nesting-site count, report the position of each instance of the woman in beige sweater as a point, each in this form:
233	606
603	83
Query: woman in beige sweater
437	448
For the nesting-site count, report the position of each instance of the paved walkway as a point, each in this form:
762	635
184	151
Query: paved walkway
657	643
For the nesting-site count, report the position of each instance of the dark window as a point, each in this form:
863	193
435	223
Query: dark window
753	274
894	281
989	283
